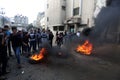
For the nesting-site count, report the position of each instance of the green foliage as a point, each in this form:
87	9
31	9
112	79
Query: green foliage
29	26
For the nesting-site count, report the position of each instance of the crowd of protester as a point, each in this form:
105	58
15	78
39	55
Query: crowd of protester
25	42
20	42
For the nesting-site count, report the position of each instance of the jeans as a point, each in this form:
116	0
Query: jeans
26	48
33	45
17	53
39	42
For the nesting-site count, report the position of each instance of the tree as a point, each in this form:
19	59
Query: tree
30	26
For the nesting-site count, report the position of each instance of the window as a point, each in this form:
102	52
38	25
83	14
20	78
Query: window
63	7
47	5
61	28
55	28
76	11
47	18
58	28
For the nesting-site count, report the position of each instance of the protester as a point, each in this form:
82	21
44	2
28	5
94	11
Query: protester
20	33
50	37
44	37
78	33
25	42
59	40
3	52
56	33
7	31
38	38
32	40
16	44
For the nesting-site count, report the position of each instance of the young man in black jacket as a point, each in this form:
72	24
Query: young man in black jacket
16	41
3	52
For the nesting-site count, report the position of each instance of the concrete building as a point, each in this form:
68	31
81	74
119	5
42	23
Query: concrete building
71	15
1	21
79	14
55	14
4	21
35	23
20	20
40	22
98	6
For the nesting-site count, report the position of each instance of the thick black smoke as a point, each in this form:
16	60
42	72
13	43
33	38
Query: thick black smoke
107	24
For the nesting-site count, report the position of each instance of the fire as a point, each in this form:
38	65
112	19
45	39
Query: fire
39	56
86	48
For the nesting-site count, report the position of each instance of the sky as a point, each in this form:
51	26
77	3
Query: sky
29	8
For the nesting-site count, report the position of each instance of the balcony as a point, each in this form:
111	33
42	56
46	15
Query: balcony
73	20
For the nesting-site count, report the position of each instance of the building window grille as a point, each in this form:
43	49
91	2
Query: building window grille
47	5
61	28
63	8
47	18
76	11
55	28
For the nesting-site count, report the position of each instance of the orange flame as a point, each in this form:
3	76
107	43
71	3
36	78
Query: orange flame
86	48
39	56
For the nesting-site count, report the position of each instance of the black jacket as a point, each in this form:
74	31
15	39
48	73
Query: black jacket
16	40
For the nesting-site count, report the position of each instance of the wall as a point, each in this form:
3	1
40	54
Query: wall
54	13
88	7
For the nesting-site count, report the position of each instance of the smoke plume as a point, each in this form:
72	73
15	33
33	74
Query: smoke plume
107	24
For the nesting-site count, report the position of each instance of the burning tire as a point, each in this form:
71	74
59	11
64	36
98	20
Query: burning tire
31	61
85	49
38	58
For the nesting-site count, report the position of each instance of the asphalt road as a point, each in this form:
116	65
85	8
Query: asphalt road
73	67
